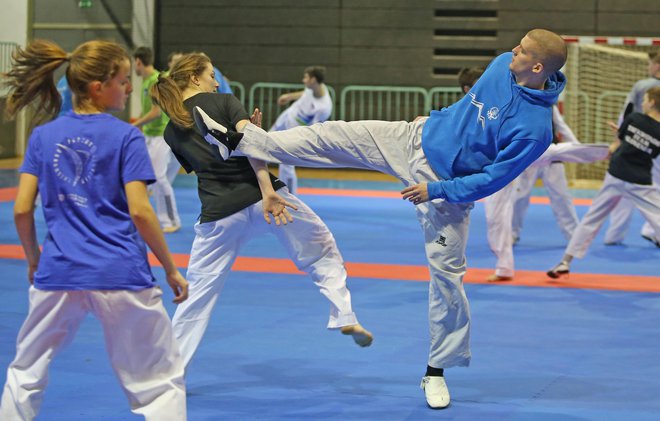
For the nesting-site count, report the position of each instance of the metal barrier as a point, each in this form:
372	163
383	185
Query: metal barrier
264	96
441	97
390	103
239	90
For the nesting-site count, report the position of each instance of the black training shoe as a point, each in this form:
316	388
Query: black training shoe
559	271
214	133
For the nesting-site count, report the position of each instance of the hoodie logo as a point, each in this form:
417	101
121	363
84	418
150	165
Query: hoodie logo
493	113
480	107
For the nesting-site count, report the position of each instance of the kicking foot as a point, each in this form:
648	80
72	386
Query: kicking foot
498	278
215	133
436	392
560	270
651	239
360	335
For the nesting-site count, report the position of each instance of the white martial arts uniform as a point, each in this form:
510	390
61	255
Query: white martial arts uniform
640	144
232	214
308	241
498	208
392	148
645	198
151	379
554	180
621	215
165	167
305	111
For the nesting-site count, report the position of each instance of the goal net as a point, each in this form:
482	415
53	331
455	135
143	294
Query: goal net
599	78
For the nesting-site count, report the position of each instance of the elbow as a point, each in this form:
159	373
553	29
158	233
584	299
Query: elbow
22	212
140	214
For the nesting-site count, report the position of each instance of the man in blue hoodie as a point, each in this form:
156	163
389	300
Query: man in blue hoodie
457	155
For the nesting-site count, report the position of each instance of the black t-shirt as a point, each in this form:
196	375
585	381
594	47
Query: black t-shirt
224	188
640	144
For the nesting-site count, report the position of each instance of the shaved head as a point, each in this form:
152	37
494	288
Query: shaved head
550	49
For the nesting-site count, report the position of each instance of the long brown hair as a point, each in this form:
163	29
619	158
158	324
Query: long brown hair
168	92
31	79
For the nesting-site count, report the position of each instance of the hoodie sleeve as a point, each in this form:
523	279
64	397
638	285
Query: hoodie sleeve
510	163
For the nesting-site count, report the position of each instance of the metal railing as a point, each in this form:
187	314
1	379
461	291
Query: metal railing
239	90
440	97
389	103
264	96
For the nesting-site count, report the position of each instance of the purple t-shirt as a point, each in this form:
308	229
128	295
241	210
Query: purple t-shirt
83	163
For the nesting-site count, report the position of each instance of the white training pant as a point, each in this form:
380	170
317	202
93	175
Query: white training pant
645	198
392	148
561	201
288	175
165	167
499	214
138	339
621	215
308	241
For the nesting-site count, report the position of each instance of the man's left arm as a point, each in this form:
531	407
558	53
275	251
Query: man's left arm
509	164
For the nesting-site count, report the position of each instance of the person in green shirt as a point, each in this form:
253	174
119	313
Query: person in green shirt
152	121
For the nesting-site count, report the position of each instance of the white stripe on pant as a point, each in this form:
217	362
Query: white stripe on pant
308	241
138	339
391	148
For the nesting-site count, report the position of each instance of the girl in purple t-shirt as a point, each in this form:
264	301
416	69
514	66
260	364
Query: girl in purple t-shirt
92	172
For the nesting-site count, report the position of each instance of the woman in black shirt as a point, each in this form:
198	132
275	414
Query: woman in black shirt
237	196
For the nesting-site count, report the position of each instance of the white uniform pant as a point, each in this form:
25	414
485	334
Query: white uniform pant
288	175
391	148
645	198
138	339
308	241
499	213
622	215
561	201
165	167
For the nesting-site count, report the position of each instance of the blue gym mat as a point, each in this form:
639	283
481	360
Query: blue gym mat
538	353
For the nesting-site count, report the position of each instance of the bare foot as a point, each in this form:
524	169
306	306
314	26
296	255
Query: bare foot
360	335
498	278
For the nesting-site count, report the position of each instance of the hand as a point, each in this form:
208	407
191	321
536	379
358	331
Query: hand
416	194
256	117
419	117
179	286
613	126
274	204
283	99
31	271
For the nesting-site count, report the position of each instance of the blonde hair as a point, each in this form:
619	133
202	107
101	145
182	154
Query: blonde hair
552	51
167	93
654	95
31	77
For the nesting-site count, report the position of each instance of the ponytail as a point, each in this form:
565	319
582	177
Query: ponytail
31	79
168	92
167	95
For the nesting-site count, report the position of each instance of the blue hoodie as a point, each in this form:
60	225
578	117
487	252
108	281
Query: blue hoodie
485	140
